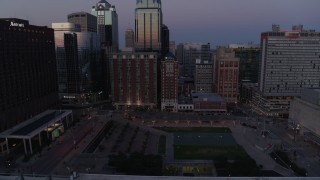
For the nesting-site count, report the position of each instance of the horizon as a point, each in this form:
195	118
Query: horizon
219	22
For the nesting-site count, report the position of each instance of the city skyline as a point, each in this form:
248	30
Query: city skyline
226	22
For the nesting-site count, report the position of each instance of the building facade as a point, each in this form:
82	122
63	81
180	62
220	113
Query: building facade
249	55
204	76
87	22
290	62
107	21
75	51
190	53
208	102
305	114
169	83
134	82
129	38
148	23
226	74
28	73
165	40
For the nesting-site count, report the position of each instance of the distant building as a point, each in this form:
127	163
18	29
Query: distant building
226	74
190	53
148	23
305	114
249	55
134	80
185	104
107	20
165	40
87	22
203	76
208	102
28	73
172	47
290	62
75	51
169	83
129	38
185	86
179	55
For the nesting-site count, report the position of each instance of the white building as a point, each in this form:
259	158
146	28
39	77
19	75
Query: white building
305	114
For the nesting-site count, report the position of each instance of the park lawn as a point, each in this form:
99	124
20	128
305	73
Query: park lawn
196	129
209	152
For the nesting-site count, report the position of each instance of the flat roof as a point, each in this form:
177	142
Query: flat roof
207	97
312	137
35	125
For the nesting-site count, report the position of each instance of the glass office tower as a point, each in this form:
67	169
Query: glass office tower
148	25
107	19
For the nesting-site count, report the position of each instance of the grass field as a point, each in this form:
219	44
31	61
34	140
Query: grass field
215	144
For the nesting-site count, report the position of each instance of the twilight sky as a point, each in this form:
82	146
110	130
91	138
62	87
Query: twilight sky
219	22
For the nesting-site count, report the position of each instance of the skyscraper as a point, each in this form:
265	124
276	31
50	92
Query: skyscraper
107	19
169	83
75	51
28	74
290	62
129	37
227	74
165	40
87	22
148	22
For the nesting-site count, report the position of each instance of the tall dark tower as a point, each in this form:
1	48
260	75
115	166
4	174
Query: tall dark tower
148	24
165	40
28	73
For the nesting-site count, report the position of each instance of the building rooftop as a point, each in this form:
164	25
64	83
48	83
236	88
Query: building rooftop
185	100
207	97
169	56
35	125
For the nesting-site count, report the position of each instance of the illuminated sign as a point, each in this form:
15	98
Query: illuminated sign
14	24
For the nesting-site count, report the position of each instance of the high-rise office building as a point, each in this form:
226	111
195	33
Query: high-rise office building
28	74
192	52
75	51
165	39
148	23
203	76
107	20
87	22
129	38
226	74
169	83
290	62
249	55
134	80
